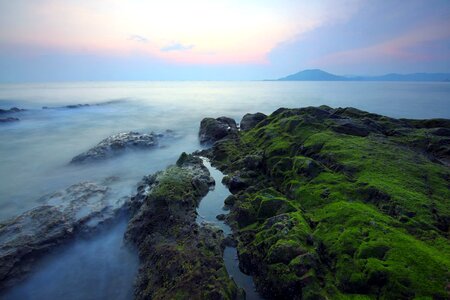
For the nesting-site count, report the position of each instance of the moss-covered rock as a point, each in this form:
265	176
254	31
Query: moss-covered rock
179	258
342	204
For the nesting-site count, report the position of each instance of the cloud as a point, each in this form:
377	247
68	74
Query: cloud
235	31
138	38
176	47
412	46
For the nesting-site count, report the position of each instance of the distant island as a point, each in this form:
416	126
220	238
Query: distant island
320	75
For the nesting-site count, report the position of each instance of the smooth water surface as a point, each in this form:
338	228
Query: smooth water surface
211	206
34	153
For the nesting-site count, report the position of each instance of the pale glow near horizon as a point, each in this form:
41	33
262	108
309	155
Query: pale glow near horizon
198	31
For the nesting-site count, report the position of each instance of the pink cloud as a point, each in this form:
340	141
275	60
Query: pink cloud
399	48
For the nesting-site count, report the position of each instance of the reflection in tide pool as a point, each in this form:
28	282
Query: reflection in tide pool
211	206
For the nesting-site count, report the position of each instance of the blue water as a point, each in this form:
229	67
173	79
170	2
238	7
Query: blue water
34	153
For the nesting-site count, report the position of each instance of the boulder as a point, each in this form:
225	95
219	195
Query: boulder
235	183
212	130
118	143
249	121
24	239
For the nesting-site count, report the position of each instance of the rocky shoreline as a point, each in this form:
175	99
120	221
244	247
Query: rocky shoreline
336	203
326	204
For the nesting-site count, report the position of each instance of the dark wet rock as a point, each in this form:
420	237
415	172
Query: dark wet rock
76	105
25	238
118	143
440	150
429	123
284	252
229	241
179	258
80	208
221	217
253	162
11	110
9	120
235	183
229	201
212	130
320	113
249	121
348	126
83	105
441	132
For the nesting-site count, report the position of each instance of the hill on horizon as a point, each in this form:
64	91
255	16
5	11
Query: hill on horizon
320	75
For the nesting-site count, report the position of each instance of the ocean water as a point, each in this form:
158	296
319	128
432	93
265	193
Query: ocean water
35	152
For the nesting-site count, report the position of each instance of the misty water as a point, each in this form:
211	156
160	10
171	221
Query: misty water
35	152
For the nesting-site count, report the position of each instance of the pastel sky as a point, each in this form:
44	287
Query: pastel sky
51	40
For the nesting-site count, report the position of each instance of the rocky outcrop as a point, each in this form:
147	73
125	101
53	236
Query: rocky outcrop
7	112
78	209
9	120
11	110
325	202
348	126
73	106
212	130
179	258
249	121
118	143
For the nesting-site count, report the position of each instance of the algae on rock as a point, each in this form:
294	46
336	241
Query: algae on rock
179	258
341	204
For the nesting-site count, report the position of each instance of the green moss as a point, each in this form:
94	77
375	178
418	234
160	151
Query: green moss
372	211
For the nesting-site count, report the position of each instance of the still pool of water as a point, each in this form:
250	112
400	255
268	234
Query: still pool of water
211	206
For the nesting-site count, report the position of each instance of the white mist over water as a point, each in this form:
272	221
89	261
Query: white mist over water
35	152
101	267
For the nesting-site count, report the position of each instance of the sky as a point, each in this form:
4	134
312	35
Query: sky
72	40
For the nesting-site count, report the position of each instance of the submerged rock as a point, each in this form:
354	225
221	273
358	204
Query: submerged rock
212	130
249	121
11	110
24	239
179	258
118	143
73	106
9	120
